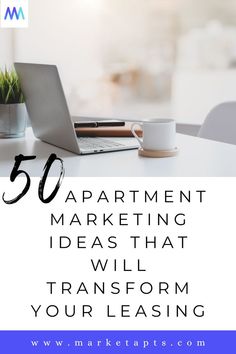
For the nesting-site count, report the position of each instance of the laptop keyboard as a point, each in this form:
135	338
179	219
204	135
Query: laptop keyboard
97	143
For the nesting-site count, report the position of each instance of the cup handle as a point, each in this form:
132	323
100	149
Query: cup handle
134	133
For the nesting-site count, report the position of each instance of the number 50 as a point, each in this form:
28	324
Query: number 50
16	172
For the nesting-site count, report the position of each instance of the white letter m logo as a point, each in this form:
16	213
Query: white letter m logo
14	13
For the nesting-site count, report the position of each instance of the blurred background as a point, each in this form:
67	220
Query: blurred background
133	58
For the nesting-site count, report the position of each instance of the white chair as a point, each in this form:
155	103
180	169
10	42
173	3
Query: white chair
220	124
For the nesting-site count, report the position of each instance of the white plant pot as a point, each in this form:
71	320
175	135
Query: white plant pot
13	118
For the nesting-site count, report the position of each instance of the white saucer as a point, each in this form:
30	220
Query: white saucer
158	153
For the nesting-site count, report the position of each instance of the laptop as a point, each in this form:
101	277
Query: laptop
50	117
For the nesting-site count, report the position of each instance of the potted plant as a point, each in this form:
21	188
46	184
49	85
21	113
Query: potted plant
13	114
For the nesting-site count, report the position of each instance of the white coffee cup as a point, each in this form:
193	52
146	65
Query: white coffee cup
158	134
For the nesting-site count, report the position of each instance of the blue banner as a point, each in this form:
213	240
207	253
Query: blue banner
46	342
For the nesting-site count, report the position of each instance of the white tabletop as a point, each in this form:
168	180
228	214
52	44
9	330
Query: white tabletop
197	157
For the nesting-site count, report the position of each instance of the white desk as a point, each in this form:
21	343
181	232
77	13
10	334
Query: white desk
197	157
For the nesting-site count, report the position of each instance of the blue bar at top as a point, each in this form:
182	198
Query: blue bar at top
166	342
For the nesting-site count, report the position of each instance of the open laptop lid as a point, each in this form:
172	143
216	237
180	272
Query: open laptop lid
46	105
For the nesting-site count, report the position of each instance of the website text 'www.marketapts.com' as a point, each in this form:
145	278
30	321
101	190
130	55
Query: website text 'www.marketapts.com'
96	342
116	343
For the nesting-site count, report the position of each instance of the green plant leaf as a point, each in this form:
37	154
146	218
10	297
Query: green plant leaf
10	89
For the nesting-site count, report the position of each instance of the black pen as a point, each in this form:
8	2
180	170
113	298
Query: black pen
93	124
